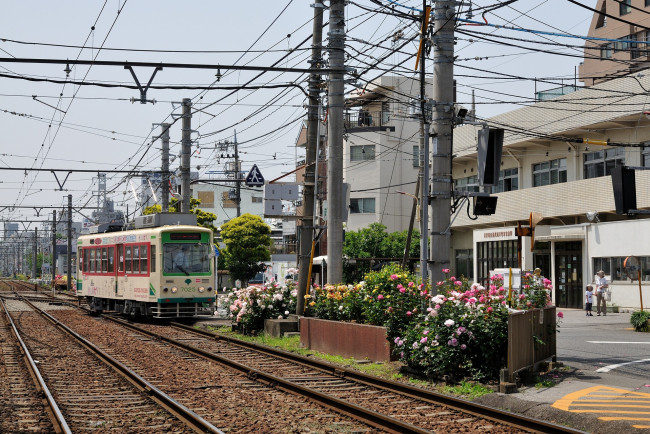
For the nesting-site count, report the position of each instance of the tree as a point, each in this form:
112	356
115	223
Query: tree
248	243
203	218
374	242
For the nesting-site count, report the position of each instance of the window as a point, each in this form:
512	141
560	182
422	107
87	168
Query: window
549	172
624	7
464	263
613	267
104	260
91	267
120	259
186	258
128	265
362	153
601	163
494	254
602	16
622	44
635	53
606	51
362	206
647	3
469	184
508	180
206	198
257	199
86	257
229	200
153	258
416	156
111	259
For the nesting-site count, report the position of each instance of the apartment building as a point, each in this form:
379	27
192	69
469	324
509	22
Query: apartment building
628	53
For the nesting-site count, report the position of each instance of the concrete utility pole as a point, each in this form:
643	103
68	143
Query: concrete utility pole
69	255
310	176
35	254
53	248
164	189
443	112
335	89
237	177
186	145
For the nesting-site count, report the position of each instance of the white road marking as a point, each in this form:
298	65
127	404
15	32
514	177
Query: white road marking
610	367
617	342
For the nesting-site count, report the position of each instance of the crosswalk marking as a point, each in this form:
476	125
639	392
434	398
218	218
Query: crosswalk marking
611	402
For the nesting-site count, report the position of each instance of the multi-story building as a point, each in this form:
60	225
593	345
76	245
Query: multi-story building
627	50
546	170
381	153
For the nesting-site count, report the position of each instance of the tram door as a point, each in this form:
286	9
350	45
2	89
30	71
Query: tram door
568	274
120	276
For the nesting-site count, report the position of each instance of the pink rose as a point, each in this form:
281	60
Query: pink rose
560	315
380	297
446	271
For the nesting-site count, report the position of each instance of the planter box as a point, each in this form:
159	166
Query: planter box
612	309
359	341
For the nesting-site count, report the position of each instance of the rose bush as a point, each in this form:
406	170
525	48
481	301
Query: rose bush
250	306
463	333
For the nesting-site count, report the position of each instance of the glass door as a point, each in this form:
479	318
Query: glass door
568	275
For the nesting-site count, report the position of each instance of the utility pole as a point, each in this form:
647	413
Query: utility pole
69	255
53	249
164	189
34	254
336	101
310	177
237	178
186	145
443	112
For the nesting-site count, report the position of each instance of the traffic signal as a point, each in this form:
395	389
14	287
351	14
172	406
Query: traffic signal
485	205
490	146
624	185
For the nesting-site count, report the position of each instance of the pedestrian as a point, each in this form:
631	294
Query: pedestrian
589	293
601	289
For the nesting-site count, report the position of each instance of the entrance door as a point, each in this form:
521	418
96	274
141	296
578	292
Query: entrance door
568	274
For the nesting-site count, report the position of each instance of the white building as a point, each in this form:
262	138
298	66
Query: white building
546	170
381	153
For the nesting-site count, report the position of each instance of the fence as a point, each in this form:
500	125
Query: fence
531	339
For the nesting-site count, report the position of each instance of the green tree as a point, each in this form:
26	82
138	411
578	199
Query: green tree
203	218
248	243
374	242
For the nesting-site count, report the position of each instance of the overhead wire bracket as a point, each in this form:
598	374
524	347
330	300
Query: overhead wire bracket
57	179
143	92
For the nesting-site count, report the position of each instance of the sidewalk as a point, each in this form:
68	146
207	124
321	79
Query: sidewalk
583	398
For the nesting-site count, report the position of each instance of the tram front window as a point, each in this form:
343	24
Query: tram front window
186	258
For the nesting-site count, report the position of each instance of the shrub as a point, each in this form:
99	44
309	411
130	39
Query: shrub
392	299
335	302
463	334
250	306
639	320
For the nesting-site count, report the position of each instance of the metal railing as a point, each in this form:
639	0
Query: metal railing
365	119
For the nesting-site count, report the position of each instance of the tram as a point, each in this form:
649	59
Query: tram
160	271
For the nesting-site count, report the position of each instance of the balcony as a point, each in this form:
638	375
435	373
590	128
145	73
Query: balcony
363	121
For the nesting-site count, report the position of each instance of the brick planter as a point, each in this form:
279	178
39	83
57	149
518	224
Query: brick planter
359	341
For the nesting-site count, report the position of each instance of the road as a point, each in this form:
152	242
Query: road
605	349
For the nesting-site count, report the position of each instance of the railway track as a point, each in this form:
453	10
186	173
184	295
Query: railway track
390	405
86	389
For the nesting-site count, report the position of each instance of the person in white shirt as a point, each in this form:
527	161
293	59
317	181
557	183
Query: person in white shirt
589	299
601	288
181	260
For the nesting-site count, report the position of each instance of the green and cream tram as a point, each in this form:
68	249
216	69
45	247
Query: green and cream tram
158	272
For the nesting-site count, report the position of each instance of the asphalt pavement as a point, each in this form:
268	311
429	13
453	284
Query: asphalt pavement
602	384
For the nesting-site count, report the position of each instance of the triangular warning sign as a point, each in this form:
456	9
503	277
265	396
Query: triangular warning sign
254	177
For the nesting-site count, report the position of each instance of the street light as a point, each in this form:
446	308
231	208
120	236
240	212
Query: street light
417	201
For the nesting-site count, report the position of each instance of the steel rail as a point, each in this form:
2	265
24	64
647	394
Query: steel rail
183	413
58	420
480	410
367	416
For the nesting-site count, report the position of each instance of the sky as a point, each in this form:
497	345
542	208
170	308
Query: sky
57	125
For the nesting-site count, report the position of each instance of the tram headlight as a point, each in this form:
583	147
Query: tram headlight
174	290
201	288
